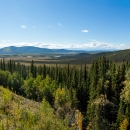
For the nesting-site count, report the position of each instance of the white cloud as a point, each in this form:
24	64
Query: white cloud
6	40
92	45
23	26
60	24
85	31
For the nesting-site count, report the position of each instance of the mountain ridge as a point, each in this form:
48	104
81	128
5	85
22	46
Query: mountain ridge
34	50
37	50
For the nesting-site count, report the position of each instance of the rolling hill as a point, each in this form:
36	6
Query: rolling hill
116	56
12	50
63	56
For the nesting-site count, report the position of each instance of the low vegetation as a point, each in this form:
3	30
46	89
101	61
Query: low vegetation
18	113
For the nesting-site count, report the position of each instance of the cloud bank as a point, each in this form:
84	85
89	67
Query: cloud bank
92	45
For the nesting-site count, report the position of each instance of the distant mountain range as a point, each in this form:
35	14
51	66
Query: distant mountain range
67	56
12	50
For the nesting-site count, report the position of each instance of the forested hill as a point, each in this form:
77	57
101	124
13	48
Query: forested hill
116	56
12	50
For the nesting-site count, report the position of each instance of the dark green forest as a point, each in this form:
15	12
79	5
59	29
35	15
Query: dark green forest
101	93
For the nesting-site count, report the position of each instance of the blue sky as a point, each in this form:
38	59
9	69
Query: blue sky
70	24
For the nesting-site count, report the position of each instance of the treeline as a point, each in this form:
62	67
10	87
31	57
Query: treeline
100	92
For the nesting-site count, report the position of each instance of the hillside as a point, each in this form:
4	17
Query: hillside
12	50
21	113
116	56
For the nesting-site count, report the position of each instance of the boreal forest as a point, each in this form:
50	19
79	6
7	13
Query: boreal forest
41	97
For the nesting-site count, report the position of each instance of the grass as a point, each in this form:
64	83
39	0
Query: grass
19	113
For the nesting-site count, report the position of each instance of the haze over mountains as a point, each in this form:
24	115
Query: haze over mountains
66	56
36	50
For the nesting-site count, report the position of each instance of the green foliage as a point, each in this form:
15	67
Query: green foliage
6	96
124	124
15	82
38	88
100	93
23	114
62	97
124	108
4	77
125	95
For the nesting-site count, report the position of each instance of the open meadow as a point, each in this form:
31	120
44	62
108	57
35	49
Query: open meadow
48	60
